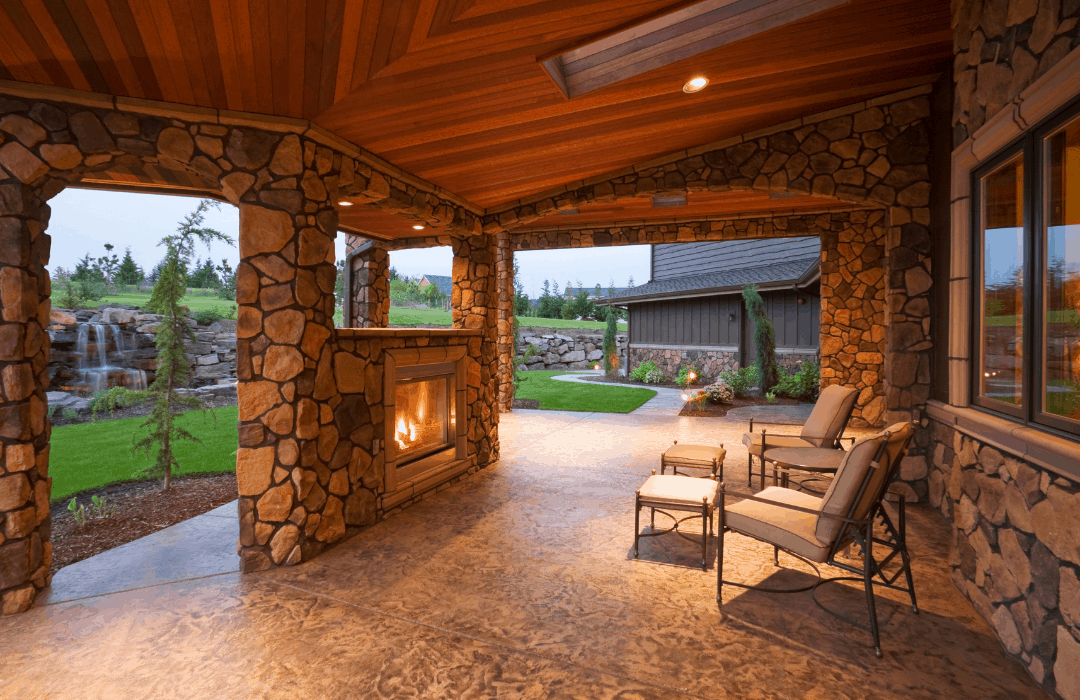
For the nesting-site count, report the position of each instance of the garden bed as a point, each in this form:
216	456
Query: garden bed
719	410
142	408
142	508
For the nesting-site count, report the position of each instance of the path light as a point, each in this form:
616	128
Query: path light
695	84
685	396
596	366
692	376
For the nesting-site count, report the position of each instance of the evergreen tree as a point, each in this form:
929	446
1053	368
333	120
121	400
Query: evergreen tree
522	305
108	264
227	275
173	370
611	348
764	336
128	272
630	282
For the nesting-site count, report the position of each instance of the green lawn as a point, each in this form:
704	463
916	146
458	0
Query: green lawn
90	455
565	396
195	303
438	317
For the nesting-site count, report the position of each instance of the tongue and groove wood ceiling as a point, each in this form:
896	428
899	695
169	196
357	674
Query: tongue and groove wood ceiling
452	90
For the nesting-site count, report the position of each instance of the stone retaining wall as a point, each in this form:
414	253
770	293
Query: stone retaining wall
710	363
1016	551
566	349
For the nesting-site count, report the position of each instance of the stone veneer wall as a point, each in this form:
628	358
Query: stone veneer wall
370	288
1002	47
669	360
557	351
1016	551
286	178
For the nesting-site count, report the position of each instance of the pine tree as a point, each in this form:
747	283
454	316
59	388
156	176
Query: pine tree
611	348
764	336
128	272
173	370
108	264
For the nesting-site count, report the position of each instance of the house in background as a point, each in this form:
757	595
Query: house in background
571	292
691	312
445	283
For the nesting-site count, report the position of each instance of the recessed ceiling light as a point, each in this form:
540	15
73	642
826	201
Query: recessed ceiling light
345	203
418	227
695	84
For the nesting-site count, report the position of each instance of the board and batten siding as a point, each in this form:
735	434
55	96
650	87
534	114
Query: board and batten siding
716	321
672	260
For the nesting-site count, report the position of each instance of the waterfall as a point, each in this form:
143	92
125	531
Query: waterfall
101	376
81	343
135	379
102	342
119	340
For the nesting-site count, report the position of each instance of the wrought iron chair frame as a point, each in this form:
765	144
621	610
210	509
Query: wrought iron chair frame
854	531
707	516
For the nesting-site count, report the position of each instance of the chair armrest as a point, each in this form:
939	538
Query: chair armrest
788	506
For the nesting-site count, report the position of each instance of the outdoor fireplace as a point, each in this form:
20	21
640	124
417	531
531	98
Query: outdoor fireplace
424	395
424	411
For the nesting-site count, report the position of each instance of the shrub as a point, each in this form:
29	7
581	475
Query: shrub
742	379
688	376
208	316
117	397
719	392
770	396
647	372
611	348
802	385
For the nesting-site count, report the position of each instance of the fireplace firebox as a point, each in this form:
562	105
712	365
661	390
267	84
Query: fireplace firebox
424	394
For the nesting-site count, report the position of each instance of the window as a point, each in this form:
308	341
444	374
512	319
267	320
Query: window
1028	278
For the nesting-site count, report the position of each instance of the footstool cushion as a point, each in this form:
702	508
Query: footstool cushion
694	457
678	490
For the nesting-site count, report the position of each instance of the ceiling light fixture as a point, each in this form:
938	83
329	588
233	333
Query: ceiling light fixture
695	84
345	203
418	227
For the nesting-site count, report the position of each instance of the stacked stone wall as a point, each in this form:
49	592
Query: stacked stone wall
710	363
565	349
1015	552
370	293
1000	49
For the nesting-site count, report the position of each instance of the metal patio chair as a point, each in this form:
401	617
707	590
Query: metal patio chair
823	428
816	530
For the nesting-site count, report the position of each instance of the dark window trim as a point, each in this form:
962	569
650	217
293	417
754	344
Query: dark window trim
1031	145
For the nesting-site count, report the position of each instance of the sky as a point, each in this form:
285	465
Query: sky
83	221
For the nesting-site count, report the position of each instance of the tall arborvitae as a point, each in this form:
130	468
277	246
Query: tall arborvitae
764	336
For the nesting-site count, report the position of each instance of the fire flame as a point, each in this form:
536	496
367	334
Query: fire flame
405	433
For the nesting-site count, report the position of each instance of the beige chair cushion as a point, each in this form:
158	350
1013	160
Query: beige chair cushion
753	442
678	490
702	455
830	415
845	485
790	529
899	436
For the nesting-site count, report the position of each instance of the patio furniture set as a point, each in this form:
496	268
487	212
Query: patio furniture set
813	525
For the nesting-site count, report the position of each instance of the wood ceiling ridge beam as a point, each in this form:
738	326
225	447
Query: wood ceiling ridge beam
749	216
209	115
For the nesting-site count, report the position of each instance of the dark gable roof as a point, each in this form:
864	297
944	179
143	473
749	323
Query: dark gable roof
793	272
445	283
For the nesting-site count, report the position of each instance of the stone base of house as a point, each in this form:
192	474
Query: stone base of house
670	359
710	361
1015	552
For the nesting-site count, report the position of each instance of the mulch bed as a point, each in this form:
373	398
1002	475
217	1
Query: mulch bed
719	410
142	508
526	403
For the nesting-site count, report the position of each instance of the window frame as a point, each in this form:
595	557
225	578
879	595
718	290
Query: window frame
1032	146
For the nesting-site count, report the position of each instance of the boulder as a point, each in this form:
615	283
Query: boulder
595	355
211	359
111	315
574	356
61	317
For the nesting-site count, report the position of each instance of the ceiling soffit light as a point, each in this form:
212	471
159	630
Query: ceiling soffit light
695	84
418	227
345	203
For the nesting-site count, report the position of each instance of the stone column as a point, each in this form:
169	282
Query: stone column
853	311
504	264
475	306
25	486
370	281
291	470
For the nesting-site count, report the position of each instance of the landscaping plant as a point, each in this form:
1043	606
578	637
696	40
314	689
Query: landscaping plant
100	509
718	392
647	372
611	348
741	380
688	376
173	370
764	336
803	385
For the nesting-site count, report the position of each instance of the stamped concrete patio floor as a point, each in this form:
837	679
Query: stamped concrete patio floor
519	582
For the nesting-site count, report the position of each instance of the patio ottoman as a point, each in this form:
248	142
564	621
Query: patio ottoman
694	457
675	492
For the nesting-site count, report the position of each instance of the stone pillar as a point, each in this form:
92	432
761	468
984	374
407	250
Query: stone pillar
853	311
475	306
291	470
370	294
504	264
25	486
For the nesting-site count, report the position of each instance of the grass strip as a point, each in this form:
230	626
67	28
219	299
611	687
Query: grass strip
554	395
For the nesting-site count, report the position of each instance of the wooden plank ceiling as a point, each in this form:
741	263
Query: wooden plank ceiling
452	91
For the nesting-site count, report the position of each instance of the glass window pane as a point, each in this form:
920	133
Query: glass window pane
1002	289
1061	284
